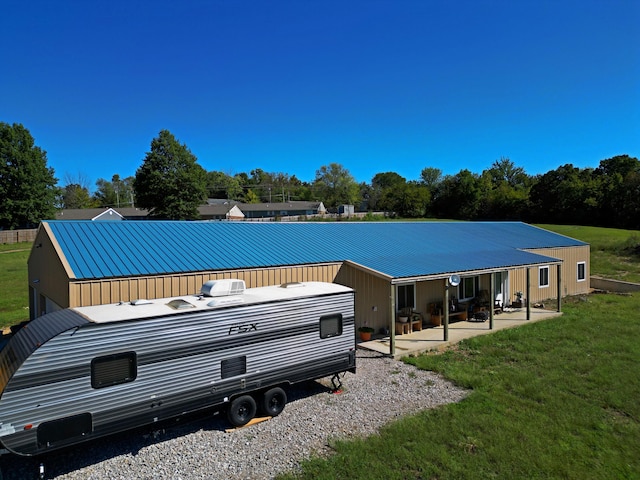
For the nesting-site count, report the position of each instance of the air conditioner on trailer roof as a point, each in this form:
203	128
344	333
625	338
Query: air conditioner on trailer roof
221	288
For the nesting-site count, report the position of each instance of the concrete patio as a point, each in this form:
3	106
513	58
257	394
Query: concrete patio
432	338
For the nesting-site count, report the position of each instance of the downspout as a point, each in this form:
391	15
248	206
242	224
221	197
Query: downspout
445	309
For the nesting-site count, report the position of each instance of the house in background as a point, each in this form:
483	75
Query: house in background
391	265
283	209
212	210
100	214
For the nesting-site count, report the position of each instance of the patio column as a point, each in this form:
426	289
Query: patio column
492	298
528	293
392	330
445	309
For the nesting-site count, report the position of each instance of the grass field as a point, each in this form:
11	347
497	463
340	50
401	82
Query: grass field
552	399
615	253
14	286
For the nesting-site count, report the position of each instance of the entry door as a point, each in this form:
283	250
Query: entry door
501	286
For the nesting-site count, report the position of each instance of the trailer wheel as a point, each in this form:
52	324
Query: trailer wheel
273	401
241	410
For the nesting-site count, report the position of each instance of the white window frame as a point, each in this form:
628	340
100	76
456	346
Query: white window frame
540	284
584	272
407	284
476	280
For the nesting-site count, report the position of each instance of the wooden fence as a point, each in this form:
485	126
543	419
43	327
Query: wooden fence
17	236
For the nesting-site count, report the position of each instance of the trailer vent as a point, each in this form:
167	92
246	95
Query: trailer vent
221	288
292	285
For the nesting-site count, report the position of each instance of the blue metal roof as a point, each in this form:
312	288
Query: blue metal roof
396	249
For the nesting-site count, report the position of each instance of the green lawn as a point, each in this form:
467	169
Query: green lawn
14	285
552	399
615	253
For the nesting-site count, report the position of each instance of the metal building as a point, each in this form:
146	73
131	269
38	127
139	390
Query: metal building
391	265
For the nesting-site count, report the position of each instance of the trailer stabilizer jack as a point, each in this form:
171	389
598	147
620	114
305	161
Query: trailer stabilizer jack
336	383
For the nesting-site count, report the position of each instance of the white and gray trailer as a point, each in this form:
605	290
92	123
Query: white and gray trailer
82	373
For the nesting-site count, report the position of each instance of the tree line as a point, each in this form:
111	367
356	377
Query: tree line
171	184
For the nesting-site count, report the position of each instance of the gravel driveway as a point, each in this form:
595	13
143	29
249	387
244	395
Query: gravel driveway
199	447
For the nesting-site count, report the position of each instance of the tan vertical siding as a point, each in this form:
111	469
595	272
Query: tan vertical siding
427	292
570	256
372	306
48	275
97	292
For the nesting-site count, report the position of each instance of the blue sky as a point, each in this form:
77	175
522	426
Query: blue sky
289	86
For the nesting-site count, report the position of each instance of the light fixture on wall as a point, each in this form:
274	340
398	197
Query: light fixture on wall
454	280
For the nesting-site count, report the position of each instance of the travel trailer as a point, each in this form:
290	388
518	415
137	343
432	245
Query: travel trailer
81	373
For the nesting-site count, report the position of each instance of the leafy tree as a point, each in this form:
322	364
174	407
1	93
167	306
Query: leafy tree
503	202
115	193
221	185
27	185
170	183
387	180
565	195
379	195
335	186
431	177
460	196
251	197
630	196
618	201
508	194
277	186
74	195
505	171
408	200
105	195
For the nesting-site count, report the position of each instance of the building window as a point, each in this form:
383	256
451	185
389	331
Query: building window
468	288
114	369
331	325
543	277
582	271
406	296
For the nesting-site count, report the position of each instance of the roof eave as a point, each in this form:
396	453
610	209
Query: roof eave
444	275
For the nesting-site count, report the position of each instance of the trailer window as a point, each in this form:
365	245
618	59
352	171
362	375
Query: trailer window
114	369
331	325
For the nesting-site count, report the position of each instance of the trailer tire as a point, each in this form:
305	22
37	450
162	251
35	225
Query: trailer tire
273	401
242	410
